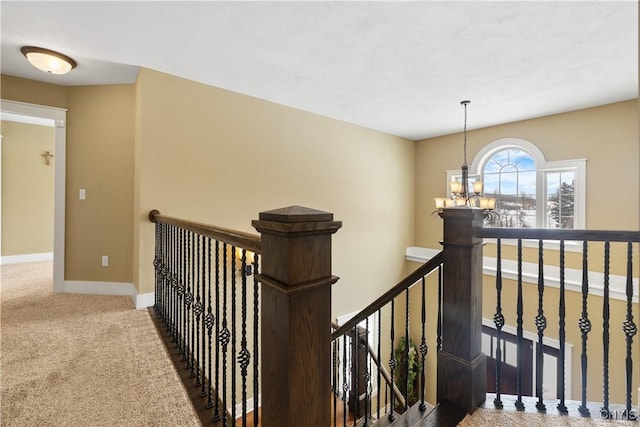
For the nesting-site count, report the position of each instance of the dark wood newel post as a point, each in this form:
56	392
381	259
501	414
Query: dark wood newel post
462	367
296	316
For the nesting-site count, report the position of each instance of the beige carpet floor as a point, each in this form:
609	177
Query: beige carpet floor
81	360
492	418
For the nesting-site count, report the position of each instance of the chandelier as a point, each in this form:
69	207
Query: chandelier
460	194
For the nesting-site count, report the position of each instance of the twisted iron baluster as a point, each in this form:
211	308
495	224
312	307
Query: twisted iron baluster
244	357
184	275
197	310
605	330
423	346
519	311
180	285
174	285
392	362
498	320
541	325
562	333
216	317
209	321
584	324
203	269
224	334
191	297
233	333
256	331
629	328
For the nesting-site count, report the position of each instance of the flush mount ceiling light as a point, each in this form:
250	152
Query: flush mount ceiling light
47	60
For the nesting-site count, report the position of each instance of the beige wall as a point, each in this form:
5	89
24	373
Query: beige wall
219	157
27	189
100	142
606	136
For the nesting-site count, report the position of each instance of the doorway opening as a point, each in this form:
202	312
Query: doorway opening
56	117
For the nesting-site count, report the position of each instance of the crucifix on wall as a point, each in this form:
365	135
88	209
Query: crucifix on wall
47	156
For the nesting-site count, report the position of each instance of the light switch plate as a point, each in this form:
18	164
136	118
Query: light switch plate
82	195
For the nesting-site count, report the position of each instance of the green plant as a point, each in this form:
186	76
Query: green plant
415	364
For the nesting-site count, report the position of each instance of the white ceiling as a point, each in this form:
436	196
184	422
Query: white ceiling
398	67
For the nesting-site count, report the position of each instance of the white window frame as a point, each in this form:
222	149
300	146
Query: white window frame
578	166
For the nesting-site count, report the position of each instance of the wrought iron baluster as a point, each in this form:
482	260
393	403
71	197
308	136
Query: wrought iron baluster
629	327
392	363
367	375
584	324
209	321
423	345
379	352
174	285
519	311
203	272
355	373
184	275
345	383
234	273
406	348
180	288
197	310
335	350
224	333
244	357
216	403
256	331
156	267
192	291
605	330
498	320
541	325
562	333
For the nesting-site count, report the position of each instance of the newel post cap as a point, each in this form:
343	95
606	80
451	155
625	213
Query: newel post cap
296	219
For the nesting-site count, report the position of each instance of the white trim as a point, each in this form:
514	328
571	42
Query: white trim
249	406
18	259
59	115
572	280
99	288
501	144
142	301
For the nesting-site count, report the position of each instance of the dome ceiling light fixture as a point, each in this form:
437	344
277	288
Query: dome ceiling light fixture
47	60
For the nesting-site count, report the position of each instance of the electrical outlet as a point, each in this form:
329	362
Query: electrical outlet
105	260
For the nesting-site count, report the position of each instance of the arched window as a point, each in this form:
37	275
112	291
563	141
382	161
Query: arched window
529	190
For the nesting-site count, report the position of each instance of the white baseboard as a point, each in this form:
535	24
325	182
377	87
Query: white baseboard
99	288
250	406
142	301
19	259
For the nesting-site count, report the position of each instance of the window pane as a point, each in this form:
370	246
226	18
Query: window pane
510	176
561	202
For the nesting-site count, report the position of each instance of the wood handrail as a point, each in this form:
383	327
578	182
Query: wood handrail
412	278
560	234
248	241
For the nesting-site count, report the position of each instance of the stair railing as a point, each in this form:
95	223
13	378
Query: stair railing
203	277
597	249
357	333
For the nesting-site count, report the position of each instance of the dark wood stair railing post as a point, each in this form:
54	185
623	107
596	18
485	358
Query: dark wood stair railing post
462	367
296	316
